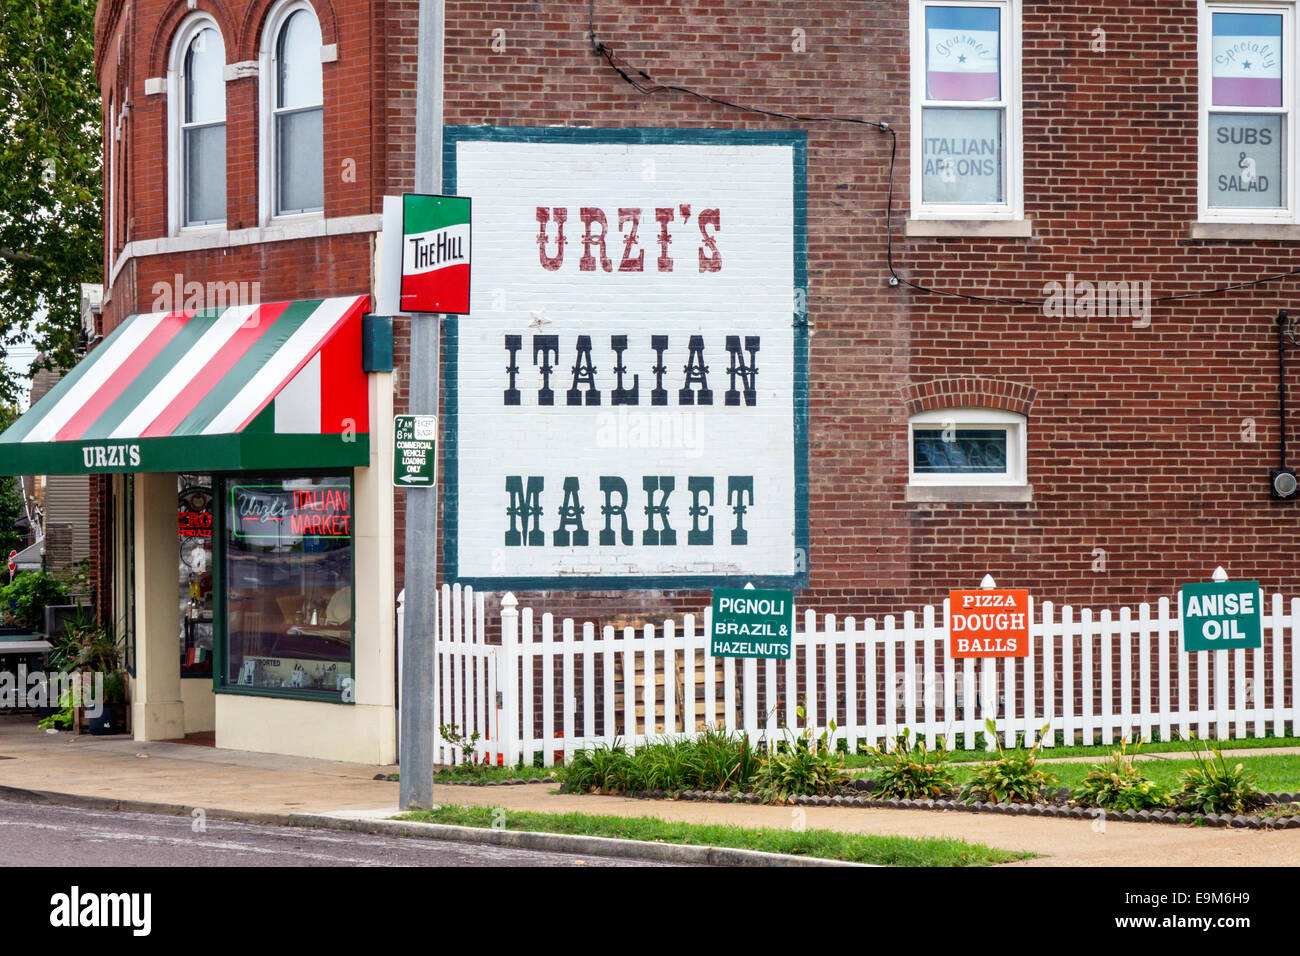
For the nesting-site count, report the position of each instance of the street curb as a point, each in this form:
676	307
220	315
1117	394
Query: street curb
520	839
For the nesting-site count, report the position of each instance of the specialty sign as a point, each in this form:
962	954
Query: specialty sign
988	623
1221	616
750	623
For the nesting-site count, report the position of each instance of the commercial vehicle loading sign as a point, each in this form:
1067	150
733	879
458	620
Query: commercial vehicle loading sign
750	623
1221	616
988	623
415	451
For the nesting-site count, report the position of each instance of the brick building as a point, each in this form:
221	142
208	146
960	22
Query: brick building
1030	364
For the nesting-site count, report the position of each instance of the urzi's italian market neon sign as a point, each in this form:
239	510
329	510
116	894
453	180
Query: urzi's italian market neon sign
273	512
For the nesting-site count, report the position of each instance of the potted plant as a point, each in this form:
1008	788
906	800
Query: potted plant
98	652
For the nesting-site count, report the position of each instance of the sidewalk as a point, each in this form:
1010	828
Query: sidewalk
185	776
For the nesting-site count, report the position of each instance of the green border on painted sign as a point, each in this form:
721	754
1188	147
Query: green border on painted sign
1221	616
797	141
752	623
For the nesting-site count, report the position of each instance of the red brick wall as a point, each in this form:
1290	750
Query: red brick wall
1135	435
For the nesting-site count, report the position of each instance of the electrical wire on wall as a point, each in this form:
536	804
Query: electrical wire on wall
643	83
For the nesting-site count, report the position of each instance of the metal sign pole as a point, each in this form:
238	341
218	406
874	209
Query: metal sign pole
416	787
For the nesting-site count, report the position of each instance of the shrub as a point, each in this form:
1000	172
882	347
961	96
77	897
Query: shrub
1117	784
594	770
725	761
452	736
1214	787
23	601
61	718
807	766
911	771
1014	777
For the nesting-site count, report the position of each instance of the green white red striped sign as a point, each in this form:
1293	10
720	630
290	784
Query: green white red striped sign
251	386
435	254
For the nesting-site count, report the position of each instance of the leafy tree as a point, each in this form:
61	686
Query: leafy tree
50	176
11	500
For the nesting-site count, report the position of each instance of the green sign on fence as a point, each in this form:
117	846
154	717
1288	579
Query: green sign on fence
1221	616
749	623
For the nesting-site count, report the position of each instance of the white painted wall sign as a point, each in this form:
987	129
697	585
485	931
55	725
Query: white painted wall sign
626	402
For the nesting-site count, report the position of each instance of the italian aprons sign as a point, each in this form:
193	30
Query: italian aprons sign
627	406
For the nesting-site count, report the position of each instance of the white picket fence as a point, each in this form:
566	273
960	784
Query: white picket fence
553	687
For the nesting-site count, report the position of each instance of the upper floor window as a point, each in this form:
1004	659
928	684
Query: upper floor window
294	132
202	145
966	110
1247	103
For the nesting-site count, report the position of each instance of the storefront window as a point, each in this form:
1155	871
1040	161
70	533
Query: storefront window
194	536
288	584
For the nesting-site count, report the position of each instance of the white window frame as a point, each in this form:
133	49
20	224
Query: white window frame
268	80
111	132
1206	212
1015	425
175	124
1012	145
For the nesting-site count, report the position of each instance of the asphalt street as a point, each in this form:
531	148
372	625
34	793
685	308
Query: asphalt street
38	835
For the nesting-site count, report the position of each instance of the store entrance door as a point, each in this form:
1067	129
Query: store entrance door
194	528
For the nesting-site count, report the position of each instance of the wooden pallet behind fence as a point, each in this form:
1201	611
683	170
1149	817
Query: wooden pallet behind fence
702	662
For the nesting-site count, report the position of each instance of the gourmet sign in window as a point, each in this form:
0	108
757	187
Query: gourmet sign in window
965	102
627	398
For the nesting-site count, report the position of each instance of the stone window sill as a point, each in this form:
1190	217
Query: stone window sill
1246	231
969	228
970	494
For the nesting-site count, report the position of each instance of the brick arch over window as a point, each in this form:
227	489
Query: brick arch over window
160	47
968	392
256	19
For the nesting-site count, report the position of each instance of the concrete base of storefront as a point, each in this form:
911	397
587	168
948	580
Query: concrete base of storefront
200	706
355	733
158	720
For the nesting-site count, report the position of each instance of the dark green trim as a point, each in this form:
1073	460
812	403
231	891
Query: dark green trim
797	140
377	343
246	451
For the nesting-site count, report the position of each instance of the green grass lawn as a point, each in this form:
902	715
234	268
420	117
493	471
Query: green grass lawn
824	844
854	761
1278	773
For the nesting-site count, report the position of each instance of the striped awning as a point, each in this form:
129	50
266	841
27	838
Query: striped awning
275	385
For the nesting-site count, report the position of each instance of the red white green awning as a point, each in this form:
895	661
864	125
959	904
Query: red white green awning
275	385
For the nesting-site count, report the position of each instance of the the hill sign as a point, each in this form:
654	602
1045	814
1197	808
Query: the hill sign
988	622
1221	616
750	623
435	254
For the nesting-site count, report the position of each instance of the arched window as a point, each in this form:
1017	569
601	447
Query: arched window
296	127
202	141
